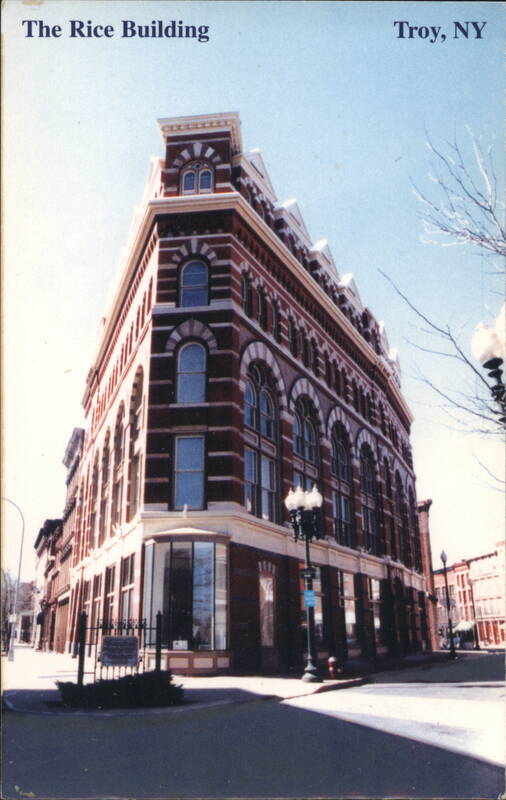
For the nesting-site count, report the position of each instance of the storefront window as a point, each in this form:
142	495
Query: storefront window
266	586
187	582
350	615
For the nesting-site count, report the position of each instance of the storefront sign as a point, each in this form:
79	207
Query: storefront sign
120	651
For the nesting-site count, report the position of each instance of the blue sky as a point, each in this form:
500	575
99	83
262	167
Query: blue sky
339	107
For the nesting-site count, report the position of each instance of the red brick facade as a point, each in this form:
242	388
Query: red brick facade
235	360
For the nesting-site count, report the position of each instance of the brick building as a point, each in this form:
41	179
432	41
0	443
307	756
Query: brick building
53	559
234	362
476	588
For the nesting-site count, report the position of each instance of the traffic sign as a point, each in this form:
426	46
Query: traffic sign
309	598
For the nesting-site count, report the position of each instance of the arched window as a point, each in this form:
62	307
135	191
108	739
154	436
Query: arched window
197	178
191	374
305	444
135	445
194	285
342	487
261	450
368	500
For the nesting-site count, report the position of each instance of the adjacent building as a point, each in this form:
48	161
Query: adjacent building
476	589
235	362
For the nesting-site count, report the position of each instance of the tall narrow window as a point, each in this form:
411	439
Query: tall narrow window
194	285
342	492
135	445
260	455
262	308
118	472
276	322
247	295
104	493
403	522
305	444
189	181
127	589
292	335
250	405
415	532
368	500
304	349
189	472
96	600
205	180
109	603
94	506
191	374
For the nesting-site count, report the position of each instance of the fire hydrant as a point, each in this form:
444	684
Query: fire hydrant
332	666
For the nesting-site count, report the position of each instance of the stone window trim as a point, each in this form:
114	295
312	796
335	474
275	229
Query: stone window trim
191	329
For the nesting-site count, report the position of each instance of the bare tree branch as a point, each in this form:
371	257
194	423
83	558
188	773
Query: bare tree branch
465	208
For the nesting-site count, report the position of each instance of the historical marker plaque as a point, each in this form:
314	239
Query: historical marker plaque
120	651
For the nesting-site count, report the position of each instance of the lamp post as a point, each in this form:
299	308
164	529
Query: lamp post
16	591
470	581
488	346
450	627
304	508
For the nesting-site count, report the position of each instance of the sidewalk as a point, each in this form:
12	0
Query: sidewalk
29	682
28	685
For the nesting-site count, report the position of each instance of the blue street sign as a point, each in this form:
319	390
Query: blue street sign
309	598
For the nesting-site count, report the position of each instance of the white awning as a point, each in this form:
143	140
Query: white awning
464	625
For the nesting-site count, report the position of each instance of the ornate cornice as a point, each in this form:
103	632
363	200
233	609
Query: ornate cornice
212	122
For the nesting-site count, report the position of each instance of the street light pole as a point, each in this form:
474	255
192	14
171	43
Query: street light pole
10	657
476	637
304	510
450	627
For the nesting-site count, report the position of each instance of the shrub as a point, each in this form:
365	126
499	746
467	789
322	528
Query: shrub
143	690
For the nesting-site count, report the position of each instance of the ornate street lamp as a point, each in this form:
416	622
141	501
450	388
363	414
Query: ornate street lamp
304	508
488	348
450	627
470	582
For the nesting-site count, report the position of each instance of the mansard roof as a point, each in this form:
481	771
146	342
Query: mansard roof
255	158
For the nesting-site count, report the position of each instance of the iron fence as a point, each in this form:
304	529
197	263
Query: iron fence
91	638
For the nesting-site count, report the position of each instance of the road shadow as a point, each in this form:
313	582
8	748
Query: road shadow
246	750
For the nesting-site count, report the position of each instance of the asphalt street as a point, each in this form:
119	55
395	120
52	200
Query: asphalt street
257	749
433	731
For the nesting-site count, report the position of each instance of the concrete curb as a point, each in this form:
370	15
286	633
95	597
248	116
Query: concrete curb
9	703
